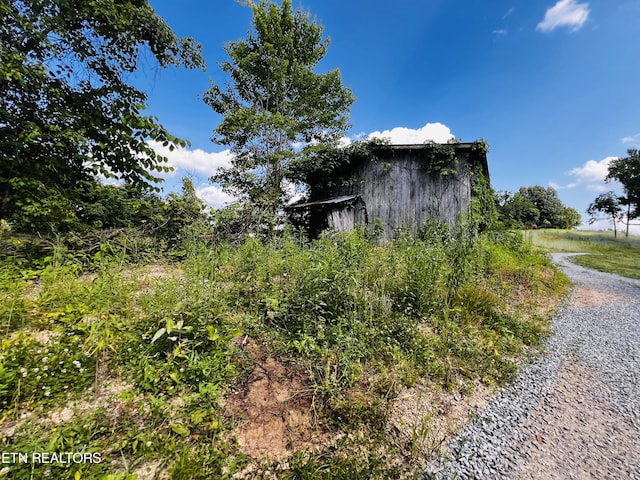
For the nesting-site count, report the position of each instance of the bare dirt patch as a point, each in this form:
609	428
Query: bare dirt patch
110	390
423	419
153	470
273	409
148	276
585	297
44	337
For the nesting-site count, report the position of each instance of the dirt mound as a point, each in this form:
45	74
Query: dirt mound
273	408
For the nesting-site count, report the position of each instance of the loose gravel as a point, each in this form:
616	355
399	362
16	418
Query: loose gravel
575	412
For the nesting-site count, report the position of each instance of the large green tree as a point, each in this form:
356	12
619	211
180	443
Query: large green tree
626	170
67	109
534	207
516	211
274	102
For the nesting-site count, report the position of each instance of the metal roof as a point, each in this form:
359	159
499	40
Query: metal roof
420	146
328	201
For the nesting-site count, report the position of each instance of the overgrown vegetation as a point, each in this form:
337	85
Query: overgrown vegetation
68	110
139	360
605	252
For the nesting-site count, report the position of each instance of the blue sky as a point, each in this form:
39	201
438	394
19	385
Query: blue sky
552	86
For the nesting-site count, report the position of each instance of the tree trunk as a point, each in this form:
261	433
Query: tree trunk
628	219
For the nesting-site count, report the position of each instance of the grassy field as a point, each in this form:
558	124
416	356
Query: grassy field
619	255
337	358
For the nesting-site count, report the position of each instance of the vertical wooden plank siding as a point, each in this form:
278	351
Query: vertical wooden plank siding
397	188
400	192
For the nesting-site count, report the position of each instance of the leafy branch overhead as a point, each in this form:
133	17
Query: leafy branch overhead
274	101
67	112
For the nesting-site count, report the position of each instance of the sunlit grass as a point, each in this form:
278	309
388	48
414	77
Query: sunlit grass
619	255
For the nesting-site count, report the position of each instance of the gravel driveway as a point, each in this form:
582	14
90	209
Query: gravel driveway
575	412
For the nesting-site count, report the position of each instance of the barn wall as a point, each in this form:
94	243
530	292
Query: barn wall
341	218
345	217
400	192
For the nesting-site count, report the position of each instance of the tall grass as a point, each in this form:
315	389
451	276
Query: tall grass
448	309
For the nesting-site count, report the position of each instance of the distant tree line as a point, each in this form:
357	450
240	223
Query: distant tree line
534	207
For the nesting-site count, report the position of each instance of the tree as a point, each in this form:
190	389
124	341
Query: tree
570	218
516	211
185	214
274	101
67	112
547	202
608	204
532	207
627	171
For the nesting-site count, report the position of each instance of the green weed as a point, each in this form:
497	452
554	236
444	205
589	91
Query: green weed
364	320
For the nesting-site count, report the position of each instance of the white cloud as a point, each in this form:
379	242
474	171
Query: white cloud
632	140
214	196
198	160
591	175
565	13
436	132
500	32
344	142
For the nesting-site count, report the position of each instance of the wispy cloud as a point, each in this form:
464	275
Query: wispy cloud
633	140
214	196
198	165
436	132
501	32
509	13
565	13
591	175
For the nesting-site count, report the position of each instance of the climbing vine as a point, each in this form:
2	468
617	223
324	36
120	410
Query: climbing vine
440	159
327	167
483	211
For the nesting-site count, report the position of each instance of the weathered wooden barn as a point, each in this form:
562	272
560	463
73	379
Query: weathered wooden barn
390	188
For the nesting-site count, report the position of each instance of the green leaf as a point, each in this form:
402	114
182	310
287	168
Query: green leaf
213	333
171	325
180	429
158	334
